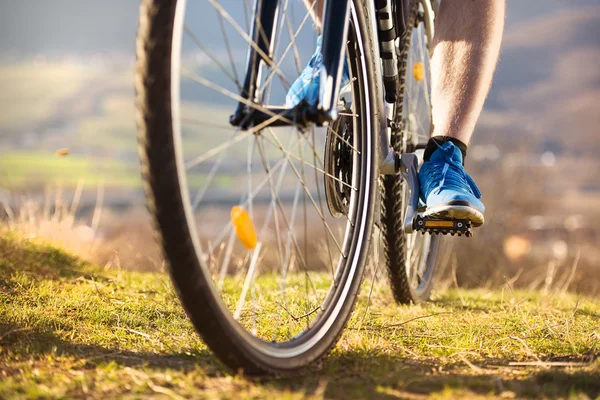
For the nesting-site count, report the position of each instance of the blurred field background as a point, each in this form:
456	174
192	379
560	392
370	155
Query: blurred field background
66	79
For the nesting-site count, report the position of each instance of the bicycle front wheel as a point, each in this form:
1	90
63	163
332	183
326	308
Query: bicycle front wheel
266	231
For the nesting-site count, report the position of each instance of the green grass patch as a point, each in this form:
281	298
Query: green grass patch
113	128
92	112
69	329
22	167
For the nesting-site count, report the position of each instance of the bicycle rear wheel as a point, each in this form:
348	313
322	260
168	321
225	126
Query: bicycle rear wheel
279	302
410	258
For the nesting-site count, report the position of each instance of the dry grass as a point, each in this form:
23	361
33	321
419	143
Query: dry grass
106	237
69	329
55	221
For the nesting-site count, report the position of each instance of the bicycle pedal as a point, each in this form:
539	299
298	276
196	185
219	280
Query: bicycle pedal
438	226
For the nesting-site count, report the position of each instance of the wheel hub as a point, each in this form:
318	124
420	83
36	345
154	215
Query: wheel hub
338	164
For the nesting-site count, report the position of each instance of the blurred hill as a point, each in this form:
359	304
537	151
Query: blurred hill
548	82
58	27
66	72
542	117
89	26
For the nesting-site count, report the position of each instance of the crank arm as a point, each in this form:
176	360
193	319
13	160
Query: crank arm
409	164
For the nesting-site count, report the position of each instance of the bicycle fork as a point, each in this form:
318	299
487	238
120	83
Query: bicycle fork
336	24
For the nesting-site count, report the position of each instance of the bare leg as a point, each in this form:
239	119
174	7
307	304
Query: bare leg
466	48
316	11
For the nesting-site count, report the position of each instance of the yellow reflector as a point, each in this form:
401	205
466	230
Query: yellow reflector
419	71
439	224
244	228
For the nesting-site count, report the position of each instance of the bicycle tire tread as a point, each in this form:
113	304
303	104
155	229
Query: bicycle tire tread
394	241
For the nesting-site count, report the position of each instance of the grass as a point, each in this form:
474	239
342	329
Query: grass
69	329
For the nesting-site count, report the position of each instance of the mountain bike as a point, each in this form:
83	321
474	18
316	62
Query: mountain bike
265	213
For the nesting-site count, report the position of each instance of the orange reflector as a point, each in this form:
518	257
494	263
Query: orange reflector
244	228
419	71
62	152
439	224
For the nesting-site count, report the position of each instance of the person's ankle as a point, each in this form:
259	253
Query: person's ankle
436	141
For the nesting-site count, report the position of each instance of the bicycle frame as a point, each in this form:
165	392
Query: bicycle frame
336	21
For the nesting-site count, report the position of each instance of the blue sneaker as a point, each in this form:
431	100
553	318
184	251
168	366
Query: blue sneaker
306	87
446	188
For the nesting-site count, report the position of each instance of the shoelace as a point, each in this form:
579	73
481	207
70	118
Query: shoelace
452	181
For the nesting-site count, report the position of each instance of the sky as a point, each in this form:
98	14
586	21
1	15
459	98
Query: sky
55	94
548	62
90	26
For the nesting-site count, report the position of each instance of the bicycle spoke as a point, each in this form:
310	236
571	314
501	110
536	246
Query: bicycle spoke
234	96
204	49
229	227
293	36
426	77
228	47
340	138
249	159
248	39
213	170
414	87
244	203
307	192
288	249
280	164
274	195
280	206
248	281
216	150
226	259
277	41
287	49
289	227
375	270
420	124
306	163
305	222
322	209
255	200
247	11
315	153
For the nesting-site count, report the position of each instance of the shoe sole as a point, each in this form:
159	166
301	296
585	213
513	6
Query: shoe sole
456	211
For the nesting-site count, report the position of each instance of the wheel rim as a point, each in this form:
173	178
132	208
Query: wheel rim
255	296
416	114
